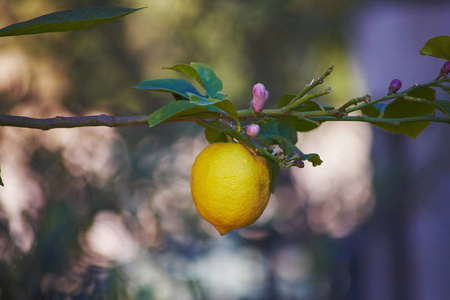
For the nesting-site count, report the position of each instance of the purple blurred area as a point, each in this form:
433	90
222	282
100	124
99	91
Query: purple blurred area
406	256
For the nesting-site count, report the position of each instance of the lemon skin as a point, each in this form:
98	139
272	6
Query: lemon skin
230	185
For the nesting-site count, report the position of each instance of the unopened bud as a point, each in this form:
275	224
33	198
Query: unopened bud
394	86
252	130
444	70
260	96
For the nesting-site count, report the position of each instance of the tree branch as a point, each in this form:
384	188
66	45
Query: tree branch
112	121
72	122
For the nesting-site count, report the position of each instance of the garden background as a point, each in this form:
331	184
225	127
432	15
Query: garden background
101	212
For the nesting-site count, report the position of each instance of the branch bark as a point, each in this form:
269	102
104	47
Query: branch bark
72	122
113	121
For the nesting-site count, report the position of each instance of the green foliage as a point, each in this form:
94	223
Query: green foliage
402	108
274	171
68	20
214	136
443	106
175	86
282	133
295	113
182	109
438	47
416	103
204	75
310	105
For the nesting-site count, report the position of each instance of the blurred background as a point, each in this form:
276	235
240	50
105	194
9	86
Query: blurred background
101	213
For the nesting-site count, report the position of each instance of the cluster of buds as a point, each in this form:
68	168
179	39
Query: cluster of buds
287	162
444	70
394	86
260	96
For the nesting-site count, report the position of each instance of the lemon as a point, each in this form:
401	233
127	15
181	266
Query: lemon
230	185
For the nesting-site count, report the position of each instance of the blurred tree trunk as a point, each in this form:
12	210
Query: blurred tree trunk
404	249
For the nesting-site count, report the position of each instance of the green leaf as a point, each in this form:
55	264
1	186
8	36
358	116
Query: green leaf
313	158
1	181
67	20
274	171
200	100
211	82
214	136
187	70
221	96
424	92
401	108
180	109
374	110
224	105
444	106
170	85
282	133
229	108
277	131
285	100
438	47
309	105
204	75
303	125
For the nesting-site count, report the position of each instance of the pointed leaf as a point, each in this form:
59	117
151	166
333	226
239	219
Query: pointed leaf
401	108
230	109
170	85
438	47
374	110
67	20
303	125
179	109
214	136
187	70
210	81
313	158
273	129
424	92
221	96
285	100
204	75
279	132
444	106
199	100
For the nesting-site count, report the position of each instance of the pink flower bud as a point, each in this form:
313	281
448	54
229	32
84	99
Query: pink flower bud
444	70
260	96
252	130
394	86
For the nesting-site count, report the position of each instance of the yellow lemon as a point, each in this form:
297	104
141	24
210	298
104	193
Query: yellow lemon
230	185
